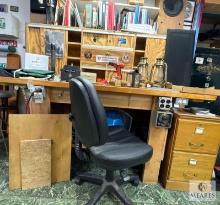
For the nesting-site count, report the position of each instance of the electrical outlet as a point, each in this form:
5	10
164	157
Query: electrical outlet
38	97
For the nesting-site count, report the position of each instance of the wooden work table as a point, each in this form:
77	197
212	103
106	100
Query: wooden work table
124	90
131	98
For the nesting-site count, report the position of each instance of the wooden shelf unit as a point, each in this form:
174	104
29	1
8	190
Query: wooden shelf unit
128	48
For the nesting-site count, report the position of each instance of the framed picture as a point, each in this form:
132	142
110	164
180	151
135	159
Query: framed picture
56	38
190	9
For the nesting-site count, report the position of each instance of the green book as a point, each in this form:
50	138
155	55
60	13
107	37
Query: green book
88	15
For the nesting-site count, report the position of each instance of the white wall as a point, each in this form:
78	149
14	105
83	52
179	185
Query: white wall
24	17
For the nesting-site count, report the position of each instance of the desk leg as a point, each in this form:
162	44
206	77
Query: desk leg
157	139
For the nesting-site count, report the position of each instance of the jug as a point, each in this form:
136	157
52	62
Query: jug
159	73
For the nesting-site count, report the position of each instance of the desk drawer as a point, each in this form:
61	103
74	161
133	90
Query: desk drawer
96	57
190	166
59	95
95	39
197	136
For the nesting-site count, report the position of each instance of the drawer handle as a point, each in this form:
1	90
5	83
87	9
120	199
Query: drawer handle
192	162
60	95
189	175
196	146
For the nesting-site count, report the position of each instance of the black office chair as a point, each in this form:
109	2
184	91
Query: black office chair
90	122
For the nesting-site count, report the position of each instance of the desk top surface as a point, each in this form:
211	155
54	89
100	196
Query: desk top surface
112	89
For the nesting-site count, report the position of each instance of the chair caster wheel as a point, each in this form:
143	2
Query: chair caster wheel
78	181
135	182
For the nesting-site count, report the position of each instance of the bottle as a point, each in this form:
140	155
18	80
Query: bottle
53	57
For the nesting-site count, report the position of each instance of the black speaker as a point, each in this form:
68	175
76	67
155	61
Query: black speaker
38	6
179	55
172	7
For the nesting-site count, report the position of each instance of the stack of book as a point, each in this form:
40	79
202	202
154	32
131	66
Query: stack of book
105	15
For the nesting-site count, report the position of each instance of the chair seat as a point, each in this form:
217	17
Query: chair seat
123	151
5	94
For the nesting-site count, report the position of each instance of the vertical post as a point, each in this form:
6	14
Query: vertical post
157	139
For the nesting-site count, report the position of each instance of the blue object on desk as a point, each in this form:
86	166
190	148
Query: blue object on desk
114	118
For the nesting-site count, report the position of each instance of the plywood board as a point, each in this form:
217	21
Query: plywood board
155	48
35	163
56	127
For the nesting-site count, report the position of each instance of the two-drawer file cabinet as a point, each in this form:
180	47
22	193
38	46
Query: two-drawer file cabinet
191	150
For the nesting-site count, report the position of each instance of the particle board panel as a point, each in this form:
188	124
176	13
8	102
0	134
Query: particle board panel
35	163
155	48
56	127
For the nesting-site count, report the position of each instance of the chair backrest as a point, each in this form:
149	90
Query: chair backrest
88	113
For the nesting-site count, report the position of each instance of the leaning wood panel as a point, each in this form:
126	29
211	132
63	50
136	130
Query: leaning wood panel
155	48
38	126
35	163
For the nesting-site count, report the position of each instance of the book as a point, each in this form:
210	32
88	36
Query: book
103	14
66	15
94	17
88	15
100	14
106	16
78	19
136	14
111	15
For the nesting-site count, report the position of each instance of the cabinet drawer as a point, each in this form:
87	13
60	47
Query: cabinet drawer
96	57
59	95
95	39
190	166
121	41
197	136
